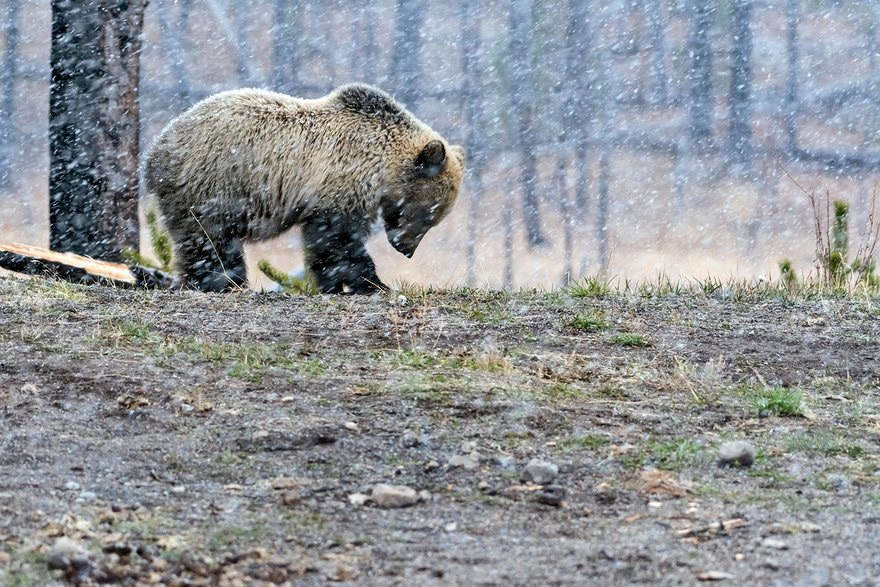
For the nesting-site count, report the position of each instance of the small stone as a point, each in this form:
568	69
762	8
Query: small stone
838	482
178	489
468	446
87	496
450	527
774	543
432	465
186	408
402	300
352	426
394	496
425	495
503	461
5	558
540	472
551	495
64	552
482	486
467	462
714	576
736	453
655	504
72	486
772	564
410	439
810	527
147	551
358	498
287	399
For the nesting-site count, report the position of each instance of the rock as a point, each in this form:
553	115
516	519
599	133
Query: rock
772	564
352	426
540	472
503	461
450	527
467	462
410	439
87	496
551	495
736	453
65	553
358	498
147	551
775	544
714	576
72	486
838	482
393	496
810	527
432	465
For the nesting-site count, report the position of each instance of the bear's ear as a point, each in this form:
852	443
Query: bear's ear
430	161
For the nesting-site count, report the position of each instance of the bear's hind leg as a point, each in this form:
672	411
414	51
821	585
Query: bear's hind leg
211	264
337	257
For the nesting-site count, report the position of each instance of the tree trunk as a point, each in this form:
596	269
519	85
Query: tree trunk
659	94
740	132
405	67
700	106
370	48
94	127
172	35
473	115
7	80
789	115
576	117
522	98
285	49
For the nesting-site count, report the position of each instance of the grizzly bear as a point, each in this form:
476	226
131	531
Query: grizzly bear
246	165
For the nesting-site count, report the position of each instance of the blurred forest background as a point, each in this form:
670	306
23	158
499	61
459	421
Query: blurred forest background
629	137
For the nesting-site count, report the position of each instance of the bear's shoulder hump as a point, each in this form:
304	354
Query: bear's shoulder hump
373	102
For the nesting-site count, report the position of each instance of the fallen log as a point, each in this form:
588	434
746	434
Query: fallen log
30	260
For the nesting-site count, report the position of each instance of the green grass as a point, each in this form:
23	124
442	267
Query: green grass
775	401
675	454
590	287
630	339
825	443
592	322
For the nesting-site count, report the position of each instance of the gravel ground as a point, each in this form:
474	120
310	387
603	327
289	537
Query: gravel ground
458	437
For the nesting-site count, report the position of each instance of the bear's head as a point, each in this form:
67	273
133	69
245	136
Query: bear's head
425	191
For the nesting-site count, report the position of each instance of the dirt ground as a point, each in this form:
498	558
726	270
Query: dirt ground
187	438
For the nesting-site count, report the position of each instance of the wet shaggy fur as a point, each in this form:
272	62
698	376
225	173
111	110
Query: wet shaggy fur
246	165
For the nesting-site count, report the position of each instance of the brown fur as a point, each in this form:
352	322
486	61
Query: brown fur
246	165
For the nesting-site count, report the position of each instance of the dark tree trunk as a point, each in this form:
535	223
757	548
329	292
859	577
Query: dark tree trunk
371	49
405	66
576	118
7	80
699	47
473	115
94	127
740	132
173	35
602	212
578	110
285	49
522	98
659	94
789	115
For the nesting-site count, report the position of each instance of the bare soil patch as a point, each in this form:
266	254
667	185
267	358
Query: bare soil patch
193	438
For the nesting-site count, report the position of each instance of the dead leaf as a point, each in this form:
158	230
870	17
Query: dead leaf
714	576
661	482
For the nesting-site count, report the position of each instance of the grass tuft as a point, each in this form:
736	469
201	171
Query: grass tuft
776	401
630	339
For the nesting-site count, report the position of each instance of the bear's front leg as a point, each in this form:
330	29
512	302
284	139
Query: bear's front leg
336	255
